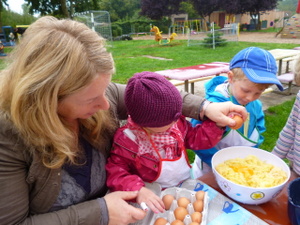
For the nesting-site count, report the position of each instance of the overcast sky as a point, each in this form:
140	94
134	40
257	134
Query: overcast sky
16	5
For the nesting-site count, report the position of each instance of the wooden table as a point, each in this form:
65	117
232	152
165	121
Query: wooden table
273	212
193	73
280	54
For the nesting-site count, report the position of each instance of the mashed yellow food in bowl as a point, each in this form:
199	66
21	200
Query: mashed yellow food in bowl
249	175
252	172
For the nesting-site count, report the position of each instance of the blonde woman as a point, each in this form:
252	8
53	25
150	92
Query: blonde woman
58	114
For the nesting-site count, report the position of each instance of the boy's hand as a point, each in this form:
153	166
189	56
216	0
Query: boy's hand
153	201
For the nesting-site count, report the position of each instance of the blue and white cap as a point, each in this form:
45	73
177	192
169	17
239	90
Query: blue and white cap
258	65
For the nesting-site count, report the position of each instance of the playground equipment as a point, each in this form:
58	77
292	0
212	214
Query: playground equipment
194	25
292	28
2	49
19	31
159	38
4	36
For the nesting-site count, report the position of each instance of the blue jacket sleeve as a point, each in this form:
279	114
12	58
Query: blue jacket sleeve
260	123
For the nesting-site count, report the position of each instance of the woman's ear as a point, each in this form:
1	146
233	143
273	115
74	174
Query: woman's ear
230	76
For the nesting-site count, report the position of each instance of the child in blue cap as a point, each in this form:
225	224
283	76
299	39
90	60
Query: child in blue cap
252	70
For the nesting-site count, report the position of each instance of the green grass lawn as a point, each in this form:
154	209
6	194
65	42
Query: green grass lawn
130	55
276	117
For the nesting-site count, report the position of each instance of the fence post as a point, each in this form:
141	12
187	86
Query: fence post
93	21
213	33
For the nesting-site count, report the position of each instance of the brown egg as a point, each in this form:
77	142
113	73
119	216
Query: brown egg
177	222
167	200
194	223
198	205
196	217
200	195
160	221
239	122
180	213
183	202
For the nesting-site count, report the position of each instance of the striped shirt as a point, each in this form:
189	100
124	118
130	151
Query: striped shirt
288	143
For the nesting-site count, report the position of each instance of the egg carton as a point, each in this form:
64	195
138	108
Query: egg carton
169	214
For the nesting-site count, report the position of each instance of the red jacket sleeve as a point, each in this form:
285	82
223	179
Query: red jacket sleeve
119	171
203	136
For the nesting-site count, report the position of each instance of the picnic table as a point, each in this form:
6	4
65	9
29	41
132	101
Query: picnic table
191	74
281	54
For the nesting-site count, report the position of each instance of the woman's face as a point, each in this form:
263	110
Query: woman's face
86	102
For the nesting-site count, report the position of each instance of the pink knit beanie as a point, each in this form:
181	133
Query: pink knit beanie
151	100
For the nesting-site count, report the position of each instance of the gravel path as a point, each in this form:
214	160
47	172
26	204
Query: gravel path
266	37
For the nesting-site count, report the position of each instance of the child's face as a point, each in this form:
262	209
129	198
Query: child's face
244	90
158	129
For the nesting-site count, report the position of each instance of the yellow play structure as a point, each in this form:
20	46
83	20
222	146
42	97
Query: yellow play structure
159	38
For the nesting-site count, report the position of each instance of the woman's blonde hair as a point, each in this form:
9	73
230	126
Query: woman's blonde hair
54	59
239	75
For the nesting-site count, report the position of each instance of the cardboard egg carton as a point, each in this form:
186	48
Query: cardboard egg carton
169	214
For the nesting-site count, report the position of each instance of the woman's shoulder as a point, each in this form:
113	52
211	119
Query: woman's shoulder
7	127
11	140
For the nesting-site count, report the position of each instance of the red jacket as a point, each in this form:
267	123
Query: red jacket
127	171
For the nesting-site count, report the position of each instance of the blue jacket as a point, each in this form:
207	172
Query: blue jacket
257	120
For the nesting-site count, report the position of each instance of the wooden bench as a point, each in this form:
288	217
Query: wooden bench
287	78
287	61
191	82
187	76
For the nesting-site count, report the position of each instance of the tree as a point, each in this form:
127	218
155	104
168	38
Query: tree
64	8
45	7
233	7
120	9
288	5
157	9
206	8
188	8
256	7
2	3
61	8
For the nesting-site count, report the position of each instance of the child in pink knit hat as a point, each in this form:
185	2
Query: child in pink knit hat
151	147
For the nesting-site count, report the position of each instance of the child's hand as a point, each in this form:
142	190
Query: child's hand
153	201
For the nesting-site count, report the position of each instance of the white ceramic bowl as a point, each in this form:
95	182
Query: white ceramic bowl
244	194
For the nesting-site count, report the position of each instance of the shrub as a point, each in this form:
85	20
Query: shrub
217	38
